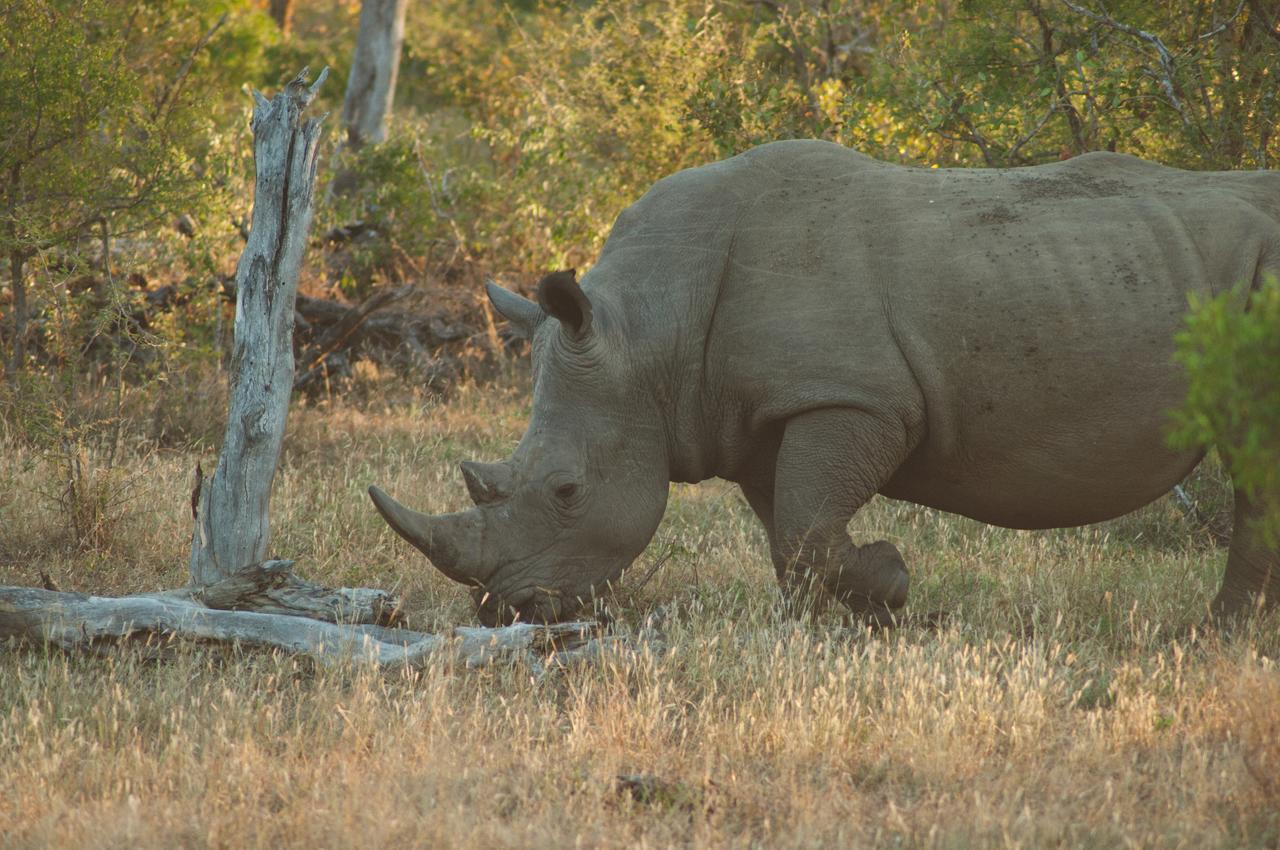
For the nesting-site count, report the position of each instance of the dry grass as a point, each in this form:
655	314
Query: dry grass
1054	709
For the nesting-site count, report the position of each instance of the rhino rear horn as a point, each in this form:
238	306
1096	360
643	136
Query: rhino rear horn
523	314
487	482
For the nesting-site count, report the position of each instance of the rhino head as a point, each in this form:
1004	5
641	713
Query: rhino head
584	491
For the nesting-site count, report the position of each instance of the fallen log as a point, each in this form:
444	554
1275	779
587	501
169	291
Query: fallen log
271	587
81	622
265	606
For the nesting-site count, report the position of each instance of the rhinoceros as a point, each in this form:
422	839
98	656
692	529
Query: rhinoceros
818	327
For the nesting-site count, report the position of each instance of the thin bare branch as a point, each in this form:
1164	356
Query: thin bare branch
1032	133
1168	66
1225	24
170	93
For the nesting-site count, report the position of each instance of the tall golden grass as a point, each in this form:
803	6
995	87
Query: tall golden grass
1060	705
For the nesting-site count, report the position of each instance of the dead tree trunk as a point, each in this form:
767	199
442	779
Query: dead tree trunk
232	527
372	85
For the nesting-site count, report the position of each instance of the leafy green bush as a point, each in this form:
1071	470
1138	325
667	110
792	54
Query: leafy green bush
1230	348
589	112
398	207
120	120
522	128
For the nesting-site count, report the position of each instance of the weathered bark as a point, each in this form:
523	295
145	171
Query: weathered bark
272	588
281	12
232	527
372	85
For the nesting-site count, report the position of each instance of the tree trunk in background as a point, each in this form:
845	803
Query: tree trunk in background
231	521
372	85
282	13
18	285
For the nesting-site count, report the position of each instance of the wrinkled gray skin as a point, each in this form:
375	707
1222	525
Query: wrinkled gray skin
818	327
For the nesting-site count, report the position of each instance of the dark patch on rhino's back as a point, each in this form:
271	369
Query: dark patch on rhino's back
1059	187
999	214
1098	174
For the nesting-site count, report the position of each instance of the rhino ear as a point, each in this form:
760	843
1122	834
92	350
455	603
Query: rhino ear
522	313
560	296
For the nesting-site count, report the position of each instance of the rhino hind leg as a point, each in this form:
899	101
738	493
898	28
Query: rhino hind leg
1252	577
830	462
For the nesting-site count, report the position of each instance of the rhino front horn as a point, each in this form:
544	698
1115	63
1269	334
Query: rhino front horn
450	541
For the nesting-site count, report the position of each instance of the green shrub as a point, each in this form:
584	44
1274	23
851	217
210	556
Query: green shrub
1230	348
587	111
401	203
582	106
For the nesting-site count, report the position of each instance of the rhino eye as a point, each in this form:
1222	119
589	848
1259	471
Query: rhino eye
565	492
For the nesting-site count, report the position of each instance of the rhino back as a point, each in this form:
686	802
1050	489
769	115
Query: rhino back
1021	320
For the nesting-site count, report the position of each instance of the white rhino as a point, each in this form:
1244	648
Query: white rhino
819	327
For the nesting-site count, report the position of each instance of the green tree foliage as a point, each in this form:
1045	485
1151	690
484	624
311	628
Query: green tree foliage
118	117
591	109
108	124
526	126
1185	83
1230	348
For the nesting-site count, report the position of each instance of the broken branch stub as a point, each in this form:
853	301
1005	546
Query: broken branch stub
271	587
232	527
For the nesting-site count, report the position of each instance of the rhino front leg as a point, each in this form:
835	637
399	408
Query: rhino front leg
801	594
830	463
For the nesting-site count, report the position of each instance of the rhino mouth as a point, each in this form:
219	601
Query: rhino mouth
516	595
525	605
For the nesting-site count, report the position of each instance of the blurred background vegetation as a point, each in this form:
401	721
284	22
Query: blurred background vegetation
520	129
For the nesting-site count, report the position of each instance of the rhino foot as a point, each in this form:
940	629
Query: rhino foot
878	617
874	574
